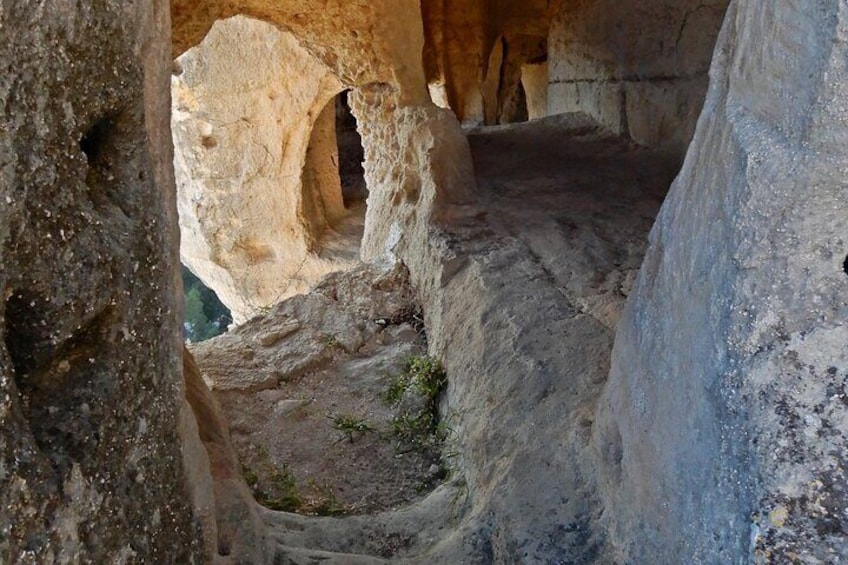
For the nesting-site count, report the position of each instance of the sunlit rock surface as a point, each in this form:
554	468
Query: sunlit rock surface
256	164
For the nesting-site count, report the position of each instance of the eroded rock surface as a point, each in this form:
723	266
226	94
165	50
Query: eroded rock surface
90	373
257	166
525	331
476	49
313	395
722	428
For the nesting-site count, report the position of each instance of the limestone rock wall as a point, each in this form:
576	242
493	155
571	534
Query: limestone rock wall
257	169
534	79
361	41
427	168
639	68
476	50
90	374
722	427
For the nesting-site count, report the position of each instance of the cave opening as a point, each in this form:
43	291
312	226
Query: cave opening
271	151
351	154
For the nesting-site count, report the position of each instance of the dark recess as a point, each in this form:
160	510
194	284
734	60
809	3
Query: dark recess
351	154
23	333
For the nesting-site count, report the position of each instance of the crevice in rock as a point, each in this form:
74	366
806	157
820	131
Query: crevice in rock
57	379
106	146
25	339
351	154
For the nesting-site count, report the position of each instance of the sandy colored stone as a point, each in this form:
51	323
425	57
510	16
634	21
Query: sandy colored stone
361	42
534	80
256	164
234	532
476	49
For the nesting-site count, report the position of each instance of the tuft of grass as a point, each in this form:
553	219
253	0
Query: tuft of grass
419	427
250	477
351	426
281	493
393	394
422	373
330	340
322	501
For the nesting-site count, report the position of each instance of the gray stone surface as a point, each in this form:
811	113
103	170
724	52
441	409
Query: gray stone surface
722	427
90	387
639	68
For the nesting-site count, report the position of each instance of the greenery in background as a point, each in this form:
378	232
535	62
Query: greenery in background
205	316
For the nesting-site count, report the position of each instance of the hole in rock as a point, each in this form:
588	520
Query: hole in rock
351	154
845	265
110	148
25	337
96	141
205	315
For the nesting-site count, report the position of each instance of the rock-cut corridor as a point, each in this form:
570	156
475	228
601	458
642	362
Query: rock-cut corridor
546	281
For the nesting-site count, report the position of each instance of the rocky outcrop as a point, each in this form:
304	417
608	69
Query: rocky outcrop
256	164
722	427
639	69
90	368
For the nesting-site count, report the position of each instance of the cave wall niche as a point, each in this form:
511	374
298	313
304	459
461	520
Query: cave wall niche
476	49
256	164
375	50
639	69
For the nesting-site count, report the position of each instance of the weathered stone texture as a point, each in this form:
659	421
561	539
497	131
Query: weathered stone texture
476	50
361	41
257	169
90	377
722	428
640	69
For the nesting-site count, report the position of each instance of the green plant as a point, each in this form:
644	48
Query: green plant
351	426
330	340
250	477
322	501
397	386
418	426
204	316
424	374
281	493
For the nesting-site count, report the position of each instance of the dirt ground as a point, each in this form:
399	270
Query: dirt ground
321	434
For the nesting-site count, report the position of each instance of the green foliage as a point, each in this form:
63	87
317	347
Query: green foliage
331	341
351	426
205	315
281	493
418	427
424	374
323	501
250	477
